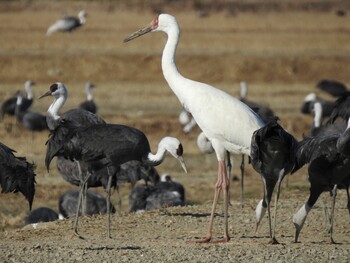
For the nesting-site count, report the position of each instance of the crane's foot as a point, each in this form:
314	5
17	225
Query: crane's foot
274	241
206	239
224	240
76	234
331	241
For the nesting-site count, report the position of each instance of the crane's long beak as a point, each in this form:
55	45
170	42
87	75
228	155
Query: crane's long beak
45	95
181	159
139	33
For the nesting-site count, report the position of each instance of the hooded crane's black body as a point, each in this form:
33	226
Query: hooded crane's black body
89	105
16	174
68	203
341	108
332	87
41	214
327	168
272	156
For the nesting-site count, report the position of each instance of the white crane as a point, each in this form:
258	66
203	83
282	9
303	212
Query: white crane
227	122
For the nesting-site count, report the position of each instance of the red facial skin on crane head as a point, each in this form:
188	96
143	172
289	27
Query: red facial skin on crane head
154	23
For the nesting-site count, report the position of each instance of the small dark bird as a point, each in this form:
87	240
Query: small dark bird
96	204
263	111
67	23
33	121
42	214
328	169
16	174
166	193
89	104
273	156
332	87
9	106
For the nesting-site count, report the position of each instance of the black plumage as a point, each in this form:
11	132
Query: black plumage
41	214
9	106
33	121
327	170
16	174
272	156
163	194
341	108
96	204
265	112
332	87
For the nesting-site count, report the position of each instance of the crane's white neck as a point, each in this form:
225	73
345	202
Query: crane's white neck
89	94
243	89
158	158
318	114
170	71
53	117
28	88
19	100
82	18
348	124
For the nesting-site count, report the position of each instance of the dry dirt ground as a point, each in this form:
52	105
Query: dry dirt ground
281	52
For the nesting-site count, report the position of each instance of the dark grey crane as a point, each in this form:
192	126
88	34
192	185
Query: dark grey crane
327	168
163	194
67	23
16	174
318	128
39	215
273	157
33	121
332	87
78	116
114	144
89	104
96	204
310	99
265	112
9	106
341	108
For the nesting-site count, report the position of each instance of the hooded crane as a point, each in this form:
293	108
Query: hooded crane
312	98
327	168
273	156
79	117
112	143
39	215
89	104
9	106
263	111
227	122
16	174
33	121
67	23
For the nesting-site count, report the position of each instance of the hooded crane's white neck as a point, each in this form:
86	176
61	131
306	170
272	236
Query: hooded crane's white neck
28	89
53	118
82	16
88	89
318	114
243	89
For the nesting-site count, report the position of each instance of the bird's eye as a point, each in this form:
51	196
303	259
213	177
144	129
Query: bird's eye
53	87
179	150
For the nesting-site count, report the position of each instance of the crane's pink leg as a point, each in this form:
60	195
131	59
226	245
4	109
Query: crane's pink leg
221	183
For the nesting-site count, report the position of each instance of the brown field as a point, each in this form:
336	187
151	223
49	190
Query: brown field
281	50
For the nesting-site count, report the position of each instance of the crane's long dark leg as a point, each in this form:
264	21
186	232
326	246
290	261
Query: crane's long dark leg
221	183
242	180
111	172
280	178
334	195
75	227
348	195
229	169
119	201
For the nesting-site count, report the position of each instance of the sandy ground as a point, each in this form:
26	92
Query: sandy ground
281	53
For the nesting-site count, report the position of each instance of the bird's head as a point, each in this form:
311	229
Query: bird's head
57	90
162	22
174	147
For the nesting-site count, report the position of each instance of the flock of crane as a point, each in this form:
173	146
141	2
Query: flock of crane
91	152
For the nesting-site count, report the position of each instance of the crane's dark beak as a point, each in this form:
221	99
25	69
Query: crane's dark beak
46	94
182	162
139	33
